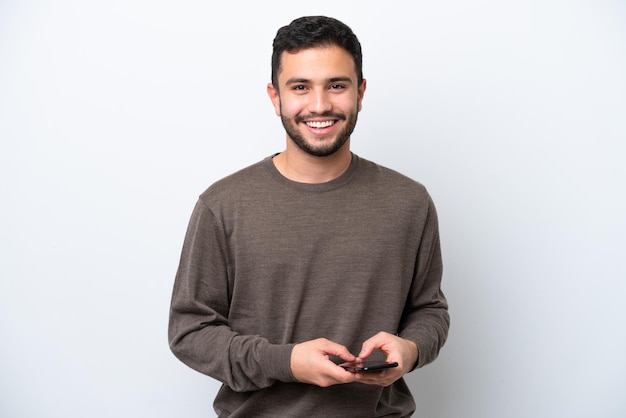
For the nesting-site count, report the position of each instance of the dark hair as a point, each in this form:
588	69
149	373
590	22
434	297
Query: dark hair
311	32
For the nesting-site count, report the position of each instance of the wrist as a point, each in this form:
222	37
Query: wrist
413	356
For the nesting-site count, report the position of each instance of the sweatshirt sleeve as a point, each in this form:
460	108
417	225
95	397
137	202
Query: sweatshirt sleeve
426	319
199	332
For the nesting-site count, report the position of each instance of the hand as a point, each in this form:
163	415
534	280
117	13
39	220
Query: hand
398	349
310	363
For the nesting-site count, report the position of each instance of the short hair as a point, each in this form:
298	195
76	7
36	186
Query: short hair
311	32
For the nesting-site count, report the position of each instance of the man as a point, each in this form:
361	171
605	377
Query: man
311	257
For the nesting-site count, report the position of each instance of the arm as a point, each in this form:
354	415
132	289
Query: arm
199	333
425	321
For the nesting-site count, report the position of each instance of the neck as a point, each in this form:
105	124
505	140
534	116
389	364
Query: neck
297	165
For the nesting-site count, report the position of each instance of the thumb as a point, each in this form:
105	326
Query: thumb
367	348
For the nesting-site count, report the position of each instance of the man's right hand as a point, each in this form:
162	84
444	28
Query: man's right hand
310	363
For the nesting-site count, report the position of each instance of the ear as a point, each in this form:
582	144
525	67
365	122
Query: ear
274	97
361	93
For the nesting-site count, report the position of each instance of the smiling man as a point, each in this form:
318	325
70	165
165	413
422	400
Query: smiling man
311	257
321	97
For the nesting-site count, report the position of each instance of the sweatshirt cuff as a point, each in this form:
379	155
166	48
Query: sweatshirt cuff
278	364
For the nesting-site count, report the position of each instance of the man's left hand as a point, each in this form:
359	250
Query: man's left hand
398	349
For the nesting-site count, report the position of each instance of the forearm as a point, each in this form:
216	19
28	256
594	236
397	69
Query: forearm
244	363
428	329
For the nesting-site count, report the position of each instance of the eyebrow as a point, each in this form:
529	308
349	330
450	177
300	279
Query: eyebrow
343	79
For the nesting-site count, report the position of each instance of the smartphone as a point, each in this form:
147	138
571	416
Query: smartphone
367	366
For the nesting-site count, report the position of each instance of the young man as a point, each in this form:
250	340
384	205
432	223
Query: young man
311	257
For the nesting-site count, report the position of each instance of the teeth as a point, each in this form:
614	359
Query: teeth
324	124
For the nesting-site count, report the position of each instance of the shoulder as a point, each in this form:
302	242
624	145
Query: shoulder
391	192
390	180
237	184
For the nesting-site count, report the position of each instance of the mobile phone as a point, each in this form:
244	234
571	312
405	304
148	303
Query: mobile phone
368	366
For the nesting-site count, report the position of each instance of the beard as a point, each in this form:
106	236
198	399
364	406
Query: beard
315	149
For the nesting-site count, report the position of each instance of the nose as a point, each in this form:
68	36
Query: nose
319	102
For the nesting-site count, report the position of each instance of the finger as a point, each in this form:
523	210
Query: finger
337	350
378	341
382	378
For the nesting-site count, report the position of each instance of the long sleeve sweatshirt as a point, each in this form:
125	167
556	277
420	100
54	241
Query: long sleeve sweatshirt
268	263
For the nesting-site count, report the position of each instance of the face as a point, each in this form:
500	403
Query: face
318	99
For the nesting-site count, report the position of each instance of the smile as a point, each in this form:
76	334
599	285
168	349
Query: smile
320	124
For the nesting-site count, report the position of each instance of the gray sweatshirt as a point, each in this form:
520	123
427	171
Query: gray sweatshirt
268	263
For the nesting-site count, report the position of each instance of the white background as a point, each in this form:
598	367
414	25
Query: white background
115	115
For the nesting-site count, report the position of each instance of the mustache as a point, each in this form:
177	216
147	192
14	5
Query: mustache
327	115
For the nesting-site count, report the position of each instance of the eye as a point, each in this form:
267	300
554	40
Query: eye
337	87
299	87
